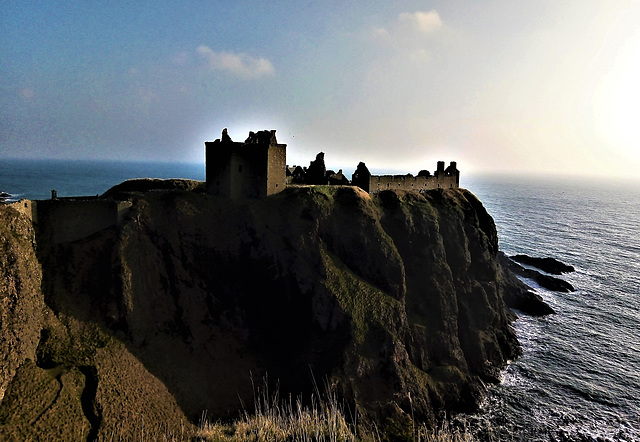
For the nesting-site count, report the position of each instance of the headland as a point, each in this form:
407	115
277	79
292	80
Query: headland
162	299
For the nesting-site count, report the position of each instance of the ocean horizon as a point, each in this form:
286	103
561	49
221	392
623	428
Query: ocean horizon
35	178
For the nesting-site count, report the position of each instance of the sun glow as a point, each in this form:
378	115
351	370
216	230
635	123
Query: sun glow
617	103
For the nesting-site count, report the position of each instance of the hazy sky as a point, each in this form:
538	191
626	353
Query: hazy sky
538	85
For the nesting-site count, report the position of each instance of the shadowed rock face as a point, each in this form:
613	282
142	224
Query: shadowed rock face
64	377
395	300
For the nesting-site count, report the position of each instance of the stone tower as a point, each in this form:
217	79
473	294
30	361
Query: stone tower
254	168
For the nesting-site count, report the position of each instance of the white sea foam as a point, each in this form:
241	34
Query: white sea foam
578	378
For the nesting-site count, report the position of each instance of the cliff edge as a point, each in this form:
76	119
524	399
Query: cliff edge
394	300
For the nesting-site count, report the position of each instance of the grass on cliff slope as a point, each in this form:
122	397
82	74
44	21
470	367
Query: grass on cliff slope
324	419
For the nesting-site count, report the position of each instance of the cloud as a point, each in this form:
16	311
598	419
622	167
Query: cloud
410	28
425	22
410	39
241	65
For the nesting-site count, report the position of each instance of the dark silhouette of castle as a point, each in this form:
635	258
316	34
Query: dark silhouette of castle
254	169
257	167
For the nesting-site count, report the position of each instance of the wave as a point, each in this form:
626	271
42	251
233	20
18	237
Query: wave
577	378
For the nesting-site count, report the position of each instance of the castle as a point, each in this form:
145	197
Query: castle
257	168
254	168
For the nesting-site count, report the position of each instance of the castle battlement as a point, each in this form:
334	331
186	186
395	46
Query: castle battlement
441	179
254	168
257	167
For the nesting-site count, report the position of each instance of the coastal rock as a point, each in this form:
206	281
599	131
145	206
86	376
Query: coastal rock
519	296
143	185
396	300
545	281
548	265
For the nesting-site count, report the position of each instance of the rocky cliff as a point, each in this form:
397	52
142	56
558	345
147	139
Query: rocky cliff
396	301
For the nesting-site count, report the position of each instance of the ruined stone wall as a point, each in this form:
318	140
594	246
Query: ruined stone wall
379	183
235	170
70	220
27	208
218	167
276	168
245	170
250	172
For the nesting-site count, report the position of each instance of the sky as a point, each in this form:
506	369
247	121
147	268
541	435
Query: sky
543	87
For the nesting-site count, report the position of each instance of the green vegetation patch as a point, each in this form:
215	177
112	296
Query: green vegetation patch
73	343
41	402
364	303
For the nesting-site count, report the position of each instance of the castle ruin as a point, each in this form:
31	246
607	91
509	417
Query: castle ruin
442	178
257	168
254	168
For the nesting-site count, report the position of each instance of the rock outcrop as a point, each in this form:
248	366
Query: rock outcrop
549	265
544	281
395	300
520	296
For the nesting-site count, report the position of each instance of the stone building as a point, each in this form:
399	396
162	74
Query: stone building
441	179
254	168
257	168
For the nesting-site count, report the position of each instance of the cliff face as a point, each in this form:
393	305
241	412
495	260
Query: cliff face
21	302
63	377
395	300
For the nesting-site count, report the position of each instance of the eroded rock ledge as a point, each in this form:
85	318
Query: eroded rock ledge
545	281
547	264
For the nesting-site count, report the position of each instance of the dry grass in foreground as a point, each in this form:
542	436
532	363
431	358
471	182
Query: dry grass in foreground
323	420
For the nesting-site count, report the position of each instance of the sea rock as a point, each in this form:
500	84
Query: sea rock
519	296
548	265
545	281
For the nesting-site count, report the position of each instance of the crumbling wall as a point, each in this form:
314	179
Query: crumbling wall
379	183
218	167
69	220
253	169
27	208
276	168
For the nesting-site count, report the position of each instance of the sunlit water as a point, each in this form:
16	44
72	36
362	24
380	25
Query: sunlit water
579	376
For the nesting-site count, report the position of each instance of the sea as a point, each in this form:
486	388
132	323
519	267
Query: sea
579	376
